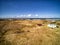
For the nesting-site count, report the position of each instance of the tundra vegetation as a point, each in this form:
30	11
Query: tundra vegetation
29	32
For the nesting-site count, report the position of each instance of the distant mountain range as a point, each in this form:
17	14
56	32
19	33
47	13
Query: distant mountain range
29	18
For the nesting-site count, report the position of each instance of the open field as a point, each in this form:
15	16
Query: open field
29	32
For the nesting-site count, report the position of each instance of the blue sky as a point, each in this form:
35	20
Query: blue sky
30	8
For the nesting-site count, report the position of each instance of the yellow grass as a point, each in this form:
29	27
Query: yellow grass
27	32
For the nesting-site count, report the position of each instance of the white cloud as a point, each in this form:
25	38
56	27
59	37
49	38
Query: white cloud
36	15
29	15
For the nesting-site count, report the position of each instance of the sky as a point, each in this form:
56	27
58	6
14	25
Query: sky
29	9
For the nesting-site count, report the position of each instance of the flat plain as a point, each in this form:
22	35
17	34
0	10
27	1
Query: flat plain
29	32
